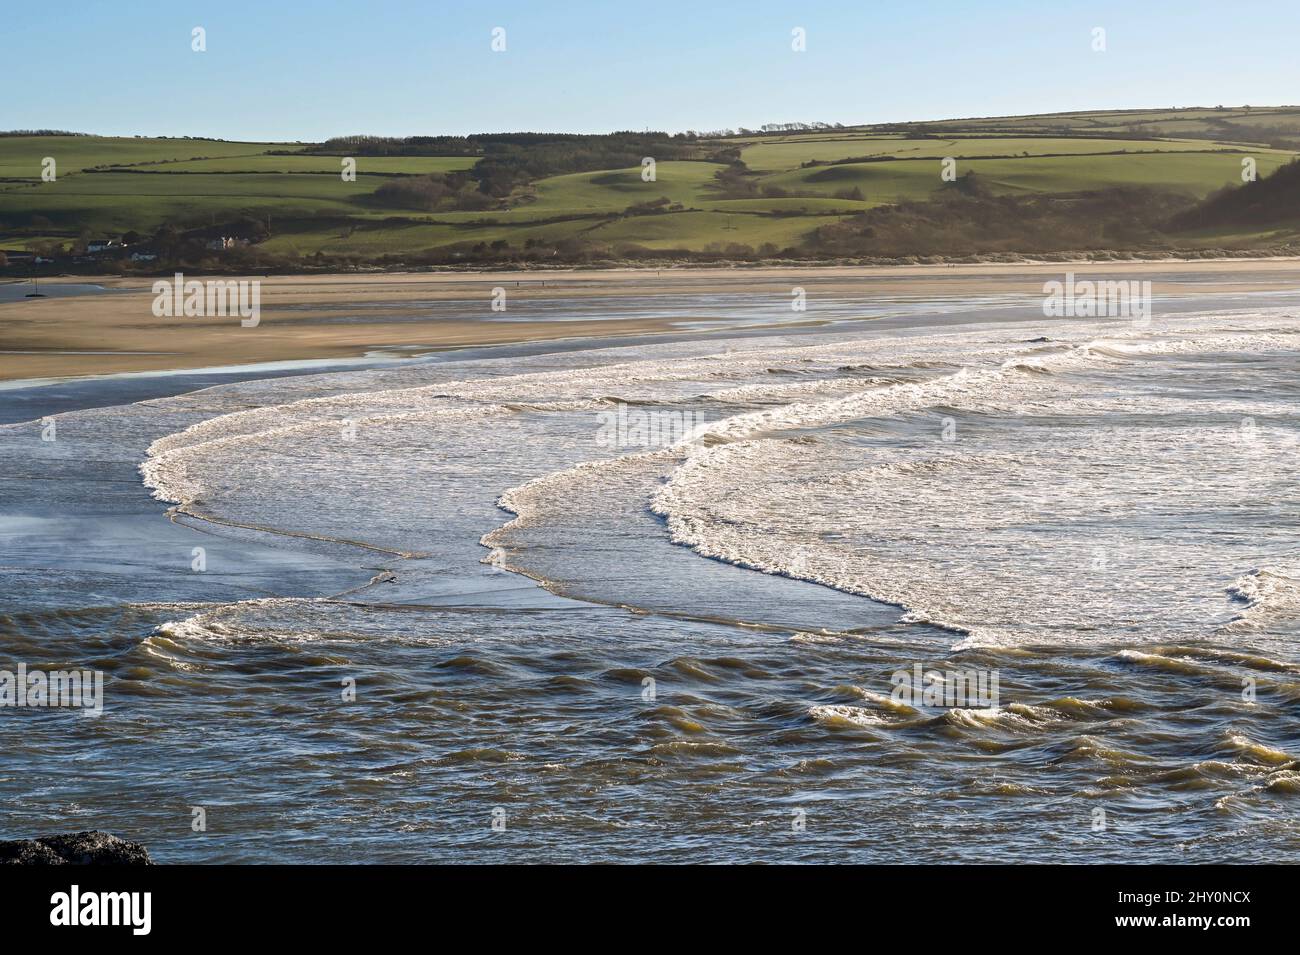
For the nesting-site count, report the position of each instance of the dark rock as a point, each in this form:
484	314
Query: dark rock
78	848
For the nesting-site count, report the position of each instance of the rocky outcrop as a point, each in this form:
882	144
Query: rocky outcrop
78	848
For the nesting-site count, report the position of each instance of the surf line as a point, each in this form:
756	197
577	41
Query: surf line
183	510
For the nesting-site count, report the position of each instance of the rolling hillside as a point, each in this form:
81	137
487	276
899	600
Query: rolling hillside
747	195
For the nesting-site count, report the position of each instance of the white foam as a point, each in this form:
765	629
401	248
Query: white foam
993	536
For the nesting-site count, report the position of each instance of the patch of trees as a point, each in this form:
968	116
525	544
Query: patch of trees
436	191
723	154
513	159
653	207
737	181
1278	136
390	146
964	219
814	126
38	132
1270	199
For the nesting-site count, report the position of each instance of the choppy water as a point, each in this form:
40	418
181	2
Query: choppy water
1107	516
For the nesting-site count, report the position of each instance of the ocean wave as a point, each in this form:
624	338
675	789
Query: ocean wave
948	531
951	533
1259	752
1270	594
167	470
840	715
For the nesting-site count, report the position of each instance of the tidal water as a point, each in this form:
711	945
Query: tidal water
651	601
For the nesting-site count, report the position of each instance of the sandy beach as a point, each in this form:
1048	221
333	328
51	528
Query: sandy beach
343	316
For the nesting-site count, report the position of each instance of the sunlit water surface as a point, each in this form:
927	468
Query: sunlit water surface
680	652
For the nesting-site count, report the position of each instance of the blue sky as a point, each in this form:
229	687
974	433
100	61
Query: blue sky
307	70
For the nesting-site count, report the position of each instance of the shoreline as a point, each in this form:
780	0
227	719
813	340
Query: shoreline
331	318
460	625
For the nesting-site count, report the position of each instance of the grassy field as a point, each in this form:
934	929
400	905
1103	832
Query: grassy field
113	203
1219	124
781	156
613	190
21	156
322	165
795	183
1195	174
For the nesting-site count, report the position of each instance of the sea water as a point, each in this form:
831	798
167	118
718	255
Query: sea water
432	612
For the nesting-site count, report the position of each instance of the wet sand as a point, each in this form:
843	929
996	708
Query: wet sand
335	317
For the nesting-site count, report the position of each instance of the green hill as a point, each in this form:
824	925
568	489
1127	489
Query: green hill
546	198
